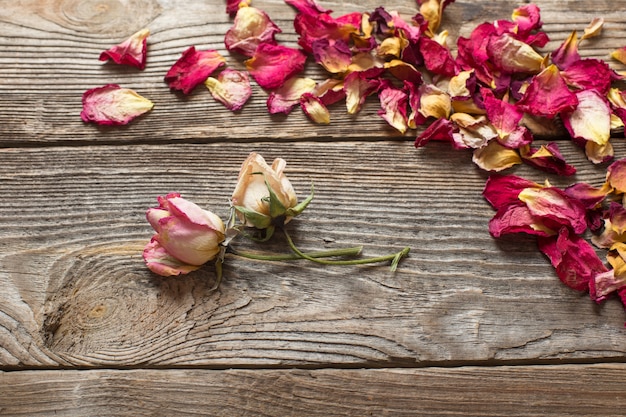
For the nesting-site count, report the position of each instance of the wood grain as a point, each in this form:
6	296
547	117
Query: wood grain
77	292
49	56
560	391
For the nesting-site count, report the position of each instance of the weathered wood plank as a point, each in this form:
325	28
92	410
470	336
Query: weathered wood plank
76	293
583	390
49	56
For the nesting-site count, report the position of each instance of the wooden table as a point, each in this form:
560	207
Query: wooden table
467	325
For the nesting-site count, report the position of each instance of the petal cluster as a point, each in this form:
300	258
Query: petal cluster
561	219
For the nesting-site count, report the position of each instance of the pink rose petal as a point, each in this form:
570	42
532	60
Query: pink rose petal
193	68
113	105
231	88
272	65
132	51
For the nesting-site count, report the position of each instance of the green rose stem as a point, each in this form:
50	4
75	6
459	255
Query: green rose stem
394	257
291	257
353	251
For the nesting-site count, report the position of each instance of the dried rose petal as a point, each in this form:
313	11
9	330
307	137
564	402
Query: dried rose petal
593	29
250	28
286	97
614	227
334	56
527	18
547	95
619	55
588	195
432	10
329	91
616	176
547	158
517	218
314	109
440	129
434	102
514	56
193	68
313	23
113	105
437	58
504	116
574	259
473	132
231	88
495	157
272	65
358	85
591	120
604	284
393	104
503	190
590	74
132	51
555	208
404	71
472	52
566	54
232	6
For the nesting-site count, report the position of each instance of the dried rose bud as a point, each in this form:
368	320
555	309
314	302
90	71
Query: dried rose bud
264	197
186	236
113	105
132	51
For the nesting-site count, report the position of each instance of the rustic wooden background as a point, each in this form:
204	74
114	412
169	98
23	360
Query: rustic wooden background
467	325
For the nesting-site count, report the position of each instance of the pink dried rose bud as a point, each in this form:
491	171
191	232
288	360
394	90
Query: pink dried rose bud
251	28
113	105
272	65
132	51
187	236
258	185
193	68
231	88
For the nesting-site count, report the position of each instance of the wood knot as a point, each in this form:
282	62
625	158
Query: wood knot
117	18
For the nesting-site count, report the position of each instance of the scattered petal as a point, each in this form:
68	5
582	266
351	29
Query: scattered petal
514	56
250	28
272	65
394	108
193	68
314	109
591	120
286	97
359	85
555	207
547	158
619	55
113	105
547	95
231	88
574	259
132	51
616	176
495	157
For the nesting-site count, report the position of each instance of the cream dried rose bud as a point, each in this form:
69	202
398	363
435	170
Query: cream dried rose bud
186	236
264	197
